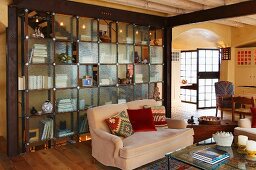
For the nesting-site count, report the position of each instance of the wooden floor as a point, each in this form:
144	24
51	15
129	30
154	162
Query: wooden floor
76	156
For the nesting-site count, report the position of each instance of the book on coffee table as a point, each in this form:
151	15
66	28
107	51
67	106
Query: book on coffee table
210	155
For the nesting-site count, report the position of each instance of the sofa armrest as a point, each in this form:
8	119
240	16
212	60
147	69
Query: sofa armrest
105	146
245	123
176	124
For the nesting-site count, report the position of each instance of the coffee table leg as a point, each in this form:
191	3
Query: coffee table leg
168	162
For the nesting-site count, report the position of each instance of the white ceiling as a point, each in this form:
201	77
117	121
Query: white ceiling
177	7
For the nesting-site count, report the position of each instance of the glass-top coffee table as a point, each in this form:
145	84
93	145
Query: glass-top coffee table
236	160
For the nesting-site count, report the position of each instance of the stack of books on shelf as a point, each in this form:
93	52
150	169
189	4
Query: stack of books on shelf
67	105
210	155
64	133
40	82
83	125
39	53
61	80
47	128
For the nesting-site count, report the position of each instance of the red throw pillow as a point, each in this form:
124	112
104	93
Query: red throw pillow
253	109
141	120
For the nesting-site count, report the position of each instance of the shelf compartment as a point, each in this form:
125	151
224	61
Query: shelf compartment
141	54
156	73
141	35
83	125
88	75
156	36
88	52
125	74
64	27
40	50
36	99
125	94
156	91
125	53
140	91
88	29
156	55
108	53
141	73
88	97
66	100
125	33
107	75
107	31
40	77
65	124
64	53
108	95
65	76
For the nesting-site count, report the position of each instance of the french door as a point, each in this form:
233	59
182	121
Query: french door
208	73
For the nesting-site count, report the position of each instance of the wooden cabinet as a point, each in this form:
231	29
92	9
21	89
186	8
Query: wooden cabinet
245	71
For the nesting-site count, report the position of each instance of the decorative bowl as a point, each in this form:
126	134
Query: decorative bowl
209	120
223	138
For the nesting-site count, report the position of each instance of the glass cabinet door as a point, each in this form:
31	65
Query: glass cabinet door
65	124
107	75
66	100
125	53
108	53
141	35
156	55
108	95
88	52
88	97
88	29
64	53
156	73
141	73
125	33
64	27
125	94
65	76
107	31
141	91
88	75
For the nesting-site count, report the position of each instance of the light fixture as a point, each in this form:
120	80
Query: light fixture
37	20
61	23
137	32
150	33
120	30
83	26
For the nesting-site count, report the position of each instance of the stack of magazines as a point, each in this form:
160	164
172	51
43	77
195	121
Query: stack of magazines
210	155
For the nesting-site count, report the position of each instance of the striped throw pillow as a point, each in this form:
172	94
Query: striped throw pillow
158	115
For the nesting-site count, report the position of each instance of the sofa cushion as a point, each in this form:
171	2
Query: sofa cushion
158	115
120	124
250	132
253	109
141	143
141	120
138	104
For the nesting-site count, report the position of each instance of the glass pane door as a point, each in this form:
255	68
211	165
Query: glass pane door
208	74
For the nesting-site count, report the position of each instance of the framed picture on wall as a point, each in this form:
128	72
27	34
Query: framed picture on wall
33	135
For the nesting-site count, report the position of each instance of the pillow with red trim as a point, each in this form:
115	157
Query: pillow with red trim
253	109
158	115
120	124
141	120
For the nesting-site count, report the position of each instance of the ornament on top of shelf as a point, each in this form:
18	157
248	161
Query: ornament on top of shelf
145	61
156	94
47	107
38	33
33	111
64	58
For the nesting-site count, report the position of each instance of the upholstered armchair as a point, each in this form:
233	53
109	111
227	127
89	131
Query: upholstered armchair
224	91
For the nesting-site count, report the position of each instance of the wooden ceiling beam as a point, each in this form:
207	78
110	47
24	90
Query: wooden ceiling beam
228	11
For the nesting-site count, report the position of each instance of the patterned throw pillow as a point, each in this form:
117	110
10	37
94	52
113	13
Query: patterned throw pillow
120	124
158	115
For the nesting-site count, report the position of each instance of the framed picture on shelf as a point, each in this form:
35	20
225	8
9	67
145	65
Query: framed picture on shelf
33	135
87	81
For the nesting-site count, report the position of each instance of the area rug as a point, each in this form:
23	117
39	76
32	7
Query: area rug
162	164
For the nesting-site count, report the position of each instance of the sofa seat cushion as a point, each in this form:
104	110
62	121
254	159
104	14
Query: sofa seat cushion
141	143
250	132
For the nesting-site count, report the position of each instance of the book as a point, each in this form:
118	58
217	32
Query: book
211	155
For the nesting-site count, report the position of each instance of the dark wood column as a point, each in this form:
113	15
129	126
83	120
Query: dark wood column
12	82
167	69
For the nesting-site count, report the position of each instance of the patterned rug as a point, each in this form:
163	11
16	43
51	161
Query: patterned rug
161	164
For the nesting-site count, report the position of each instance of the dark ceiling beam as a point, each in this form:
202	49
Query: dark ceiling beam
93	11
228	11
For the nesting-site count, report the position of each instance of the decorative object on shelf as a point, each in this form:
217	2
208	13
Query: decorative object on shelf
105	38
251	150
47	128
33	111
145	61
39	53
209	120
66	105
223	138
156	42
38	33
47	107
64	58
136	57
242	140
156	94
87	81
184	81
191	120
33	135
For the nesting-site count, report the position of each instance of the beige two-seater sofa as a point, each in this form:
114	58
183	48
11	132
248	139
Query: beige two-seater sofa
138	149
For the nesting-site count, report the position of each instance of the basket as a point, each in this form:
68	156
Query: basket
209	120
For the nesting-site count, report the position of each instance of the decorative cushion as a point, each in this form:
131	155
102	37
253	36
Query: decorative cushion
158	115
253	109
141	120
120	124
